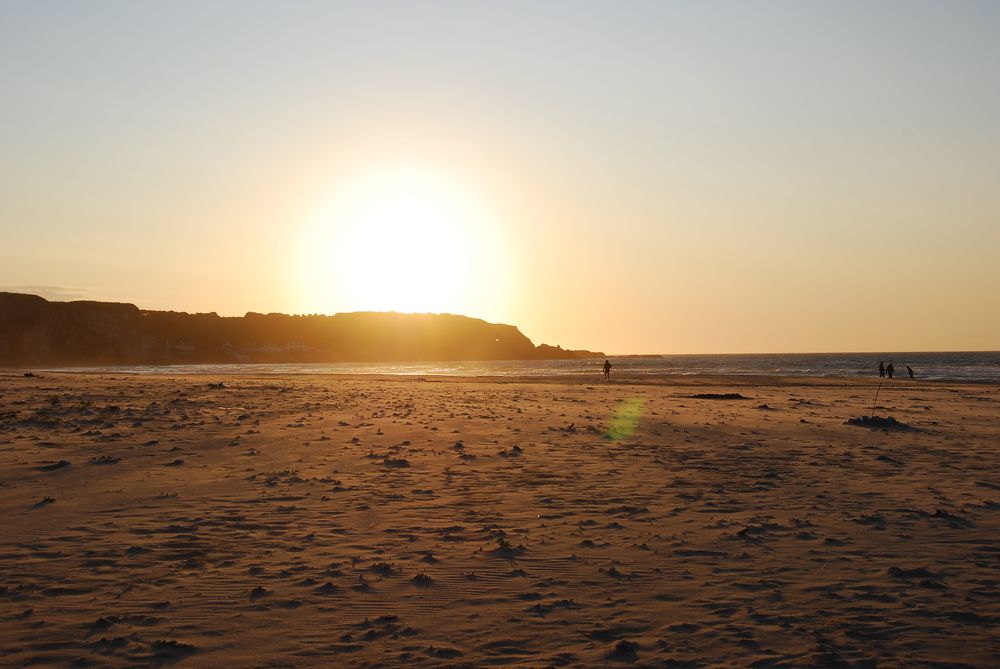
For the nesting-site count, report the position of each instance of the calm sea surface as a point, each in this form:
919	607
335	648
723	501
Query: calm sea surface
968	366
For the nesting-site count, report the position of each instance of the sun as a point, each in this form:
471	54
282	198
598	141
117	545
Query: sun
405	240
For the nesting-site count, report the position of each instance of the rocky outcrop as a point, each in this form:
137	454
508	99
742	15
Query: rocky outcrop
34	331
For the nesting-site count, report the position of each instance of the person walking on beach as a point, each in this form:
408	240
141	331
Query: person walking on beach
607	370
890	370
909	370
881	369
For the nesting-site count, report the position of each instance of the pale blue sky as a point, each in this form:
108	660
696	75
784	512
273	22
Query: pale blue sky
698	176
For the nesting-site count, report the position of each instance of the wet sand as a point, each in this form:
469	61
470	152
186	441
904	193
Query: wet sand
363	521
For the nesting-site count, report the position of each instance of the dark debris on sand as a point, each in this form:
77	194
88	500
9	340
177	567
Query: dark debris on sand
879	423
624	651
718	396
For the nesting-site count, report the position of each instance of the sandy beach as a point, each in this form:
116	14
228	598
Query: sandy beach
386	521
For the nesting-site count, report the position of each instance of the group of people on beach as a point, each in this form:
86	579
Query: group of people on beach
883	370
888	370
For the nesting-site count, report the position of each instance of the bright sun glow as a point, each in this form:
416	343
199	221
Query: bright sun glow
405	240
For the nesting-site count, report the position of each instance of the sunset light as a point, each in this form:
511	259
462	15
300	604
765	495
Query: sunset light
405	240
416	334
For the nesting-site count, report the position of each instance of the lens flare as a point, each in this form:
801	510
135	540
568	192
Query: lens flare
625	420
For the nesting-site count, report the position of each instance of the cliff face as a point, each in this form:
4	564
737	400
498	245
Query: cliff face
34	331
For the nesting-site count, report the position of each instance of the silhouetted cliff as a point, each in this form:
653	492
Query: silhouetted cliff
34	331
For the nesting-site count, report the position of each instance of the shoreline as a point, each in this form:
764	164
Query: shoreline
568	379
960	367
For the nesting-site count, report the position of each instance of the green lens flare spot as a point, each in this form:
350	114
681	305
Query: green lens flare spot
625	420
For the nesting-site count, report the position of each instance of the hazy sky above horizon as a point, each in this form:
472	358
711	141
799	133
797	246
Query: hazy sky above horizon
625	176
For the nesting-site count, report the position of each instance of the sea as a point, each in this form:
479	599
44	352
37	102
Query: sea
983	367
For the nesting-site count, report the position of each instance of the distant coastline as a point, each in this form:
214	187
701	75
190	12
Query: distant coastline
35	331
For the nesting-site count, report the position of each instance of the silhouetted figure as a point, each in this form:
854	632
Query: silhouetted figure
607	370
881	368
909	370
890	370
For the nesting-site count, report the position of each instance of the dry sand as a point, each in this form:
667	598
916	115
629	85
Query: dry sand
334	521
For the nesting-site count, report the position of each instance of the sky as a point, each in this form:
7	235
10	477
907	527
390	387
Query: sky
631	177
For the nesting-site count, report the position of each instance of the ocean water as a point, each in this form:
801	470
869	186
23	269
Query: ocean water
950	366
